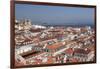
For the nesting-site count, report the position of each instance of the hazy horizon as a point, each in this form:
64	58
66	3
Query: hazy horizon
55	15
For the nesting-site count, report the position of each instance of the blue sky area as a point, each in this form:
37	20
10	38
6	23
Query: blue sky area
55	15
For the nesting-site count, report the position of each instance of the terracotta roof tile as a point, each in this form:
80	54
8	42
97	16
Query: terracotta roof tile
55	46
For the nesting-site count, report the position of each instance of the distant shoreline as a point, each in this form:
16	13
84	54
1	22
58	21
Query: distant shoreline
92	26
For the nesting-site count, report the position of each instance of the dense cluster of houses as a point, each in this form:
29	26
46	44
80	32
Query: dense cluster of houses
36	44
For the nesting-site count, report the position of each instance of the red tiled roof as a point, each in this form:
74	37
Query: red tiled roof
81	51
74	60
50	60
55	46
69	51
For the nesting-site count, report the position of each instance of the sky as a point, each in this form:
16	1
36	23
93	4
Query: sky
55	15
